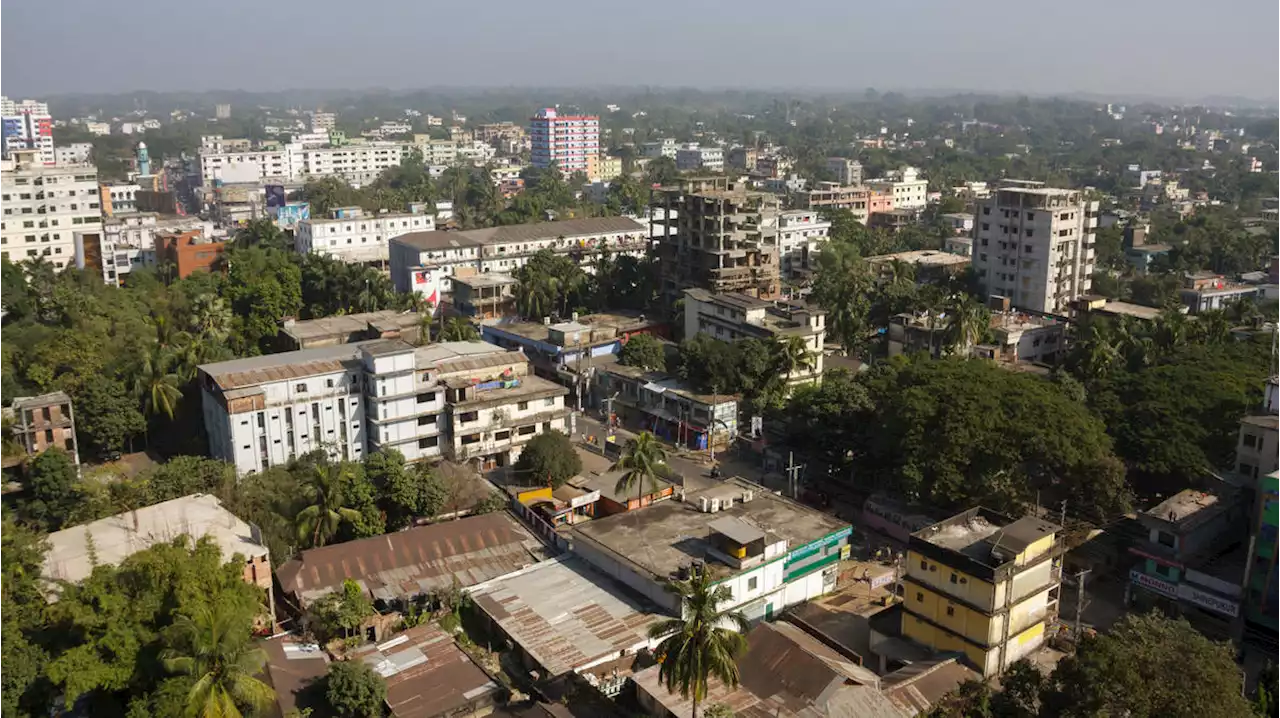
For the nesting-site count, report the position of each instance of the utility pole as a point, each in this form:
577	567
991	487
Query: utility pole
1079	601
793	475
1062	515
711	426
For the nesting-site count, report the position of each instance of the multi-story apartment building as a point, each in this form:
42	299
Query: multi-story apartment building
984	585
129	242
1035	245
832	195
45	421
499	133
847	171
716	235
358	164
1258	444
188	251
323	122
801	234
352	236
571	142
772	165
9	107
76	153
426	262
46	207
742	158
28	126
731	317
119	198
908	189
1261	584
436	153
696	157
665	147
461	401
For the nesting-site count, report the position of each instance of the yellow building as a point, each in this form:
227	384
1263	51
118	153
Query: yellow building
982	584
608	168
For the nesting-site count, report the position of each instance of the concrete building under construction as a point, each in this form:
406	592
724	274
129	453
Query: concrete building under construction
718	236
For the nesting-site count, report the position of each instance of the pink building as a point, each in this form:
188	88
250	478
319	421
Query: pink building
572	142
879	202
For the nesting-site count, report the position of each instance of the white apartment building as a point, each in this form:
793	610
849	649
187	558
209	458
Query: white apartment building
100	129
426	262
1035	245
119	198
801	233
129	242
76	153
696	157
45	206
732	316
476	153
436	153
908	189
659	148
461	401
35	107
358	164
324	122
846	171
352	236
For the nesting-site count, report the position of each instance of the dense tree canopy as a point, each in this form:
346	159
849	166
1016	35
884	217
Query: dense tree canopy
548	458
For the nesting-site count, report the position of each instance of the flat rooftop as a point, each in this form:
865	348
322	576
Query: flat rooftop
118	537
921	257
349	324
977	533
566	615
660	381
1129	309
539	332
251	371
1189	508
1020	322
489	279
663	538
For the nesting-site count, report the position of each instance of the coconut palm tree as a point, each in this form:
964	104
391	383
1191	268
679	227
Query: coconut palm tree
791	354
643	461
967	322
1213	327
458	329
703	643
210	316
1171	329
319	521
157	384
535	296
1095	351
214	647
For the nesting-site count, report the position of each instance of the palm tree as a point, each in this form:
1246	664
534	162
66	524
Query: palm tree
1213	327
458	329
210	316
643	461
1095	352
699	645
1171	329
214	647
157	384
792	353
324	513
967	322
535	295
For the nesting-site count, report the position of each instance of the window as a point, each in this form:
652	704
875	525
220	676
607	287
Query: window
502	435
261	420
1246	469
951	610
427	420
522	406
1164	538
429	442
924	565
986	226
427	398
986	210
549	402
1163	570
468	416
328	383
1250	440
300	388
472	439
526	430
919	597
1028	247
983	256
1031	215
751	583
953	577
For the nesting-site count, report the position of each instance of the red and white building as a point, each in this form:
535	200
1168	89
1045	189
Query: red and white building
27	129
572	142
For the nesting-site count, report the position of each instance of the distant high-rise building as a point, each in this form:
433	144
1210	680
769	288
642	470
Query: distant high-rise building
144	160
28	126
571	142
222	111
1035	245
847	171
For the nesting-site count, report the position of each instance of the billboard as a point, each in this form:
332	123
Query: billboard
289	214
426	282
275	195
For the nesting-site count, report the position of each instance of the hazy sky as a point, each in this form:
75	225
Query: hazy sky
1183	48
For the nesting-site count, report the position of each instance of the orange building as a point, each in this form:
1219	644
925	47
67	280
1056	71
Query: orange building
188	252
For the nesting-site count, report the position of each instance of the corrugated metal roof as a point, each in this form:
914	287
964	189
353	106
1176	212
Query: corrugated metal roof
426	673
408	563
519	233
565	615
